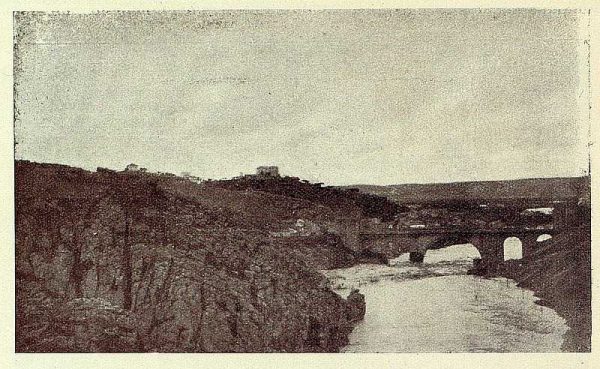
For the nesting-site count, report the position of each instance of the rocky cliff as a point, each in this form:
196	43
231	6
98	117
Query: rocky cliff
117	262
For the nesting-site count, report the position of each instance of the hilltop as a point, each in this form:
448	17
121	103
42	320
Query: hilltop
347	201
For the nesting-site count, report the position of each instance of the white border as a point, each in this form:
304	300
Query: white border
8	359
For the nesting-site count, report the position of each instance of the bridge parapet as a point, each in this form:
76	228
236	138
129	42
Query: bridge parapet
458	230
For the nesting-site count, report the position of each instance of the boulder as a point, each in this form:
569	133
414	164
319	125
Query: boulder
356	306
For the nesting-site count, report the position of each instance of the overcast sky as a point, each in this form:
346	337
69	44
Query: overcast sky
341	97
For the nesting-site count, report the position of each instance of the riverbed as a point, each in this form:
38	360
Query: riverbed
437	307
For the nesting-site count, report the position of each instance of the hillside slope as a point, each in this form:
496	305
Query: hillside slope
109	262
348	201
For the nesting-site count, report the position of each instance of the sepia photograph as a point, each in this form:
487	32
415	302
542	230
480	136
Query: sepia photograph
394	180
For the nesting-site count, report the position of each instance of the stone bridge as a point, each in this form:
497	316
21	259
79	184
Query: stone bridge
489	242
389	240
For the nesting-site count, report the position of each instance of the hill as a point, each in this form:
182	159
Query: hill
347	201
132	262
560	189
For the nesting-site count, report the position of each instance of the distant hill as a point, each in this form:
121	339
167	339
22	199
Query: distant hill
543	189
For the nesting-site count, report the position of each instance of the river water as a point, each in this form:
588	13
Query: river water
437	307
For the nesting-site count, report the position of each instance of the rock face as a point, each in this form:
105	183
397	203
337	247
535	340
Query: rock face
356	306
112	262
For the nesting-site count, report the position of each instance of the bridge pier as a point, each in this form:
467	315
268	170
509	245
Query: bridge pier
416	257
420	247
491	249
529	244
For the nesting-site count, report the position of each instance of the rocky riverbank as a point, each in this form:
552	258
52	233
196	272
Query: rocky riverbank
559	273
118	262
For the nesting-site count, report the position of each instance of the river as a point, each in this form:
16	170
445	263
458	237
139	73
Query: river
437	307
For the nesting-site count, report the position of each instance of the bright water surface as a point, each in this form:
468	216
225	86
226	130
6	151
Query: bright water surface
437	307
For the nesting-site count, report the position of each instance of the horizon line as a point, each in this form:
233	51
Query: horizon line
586	175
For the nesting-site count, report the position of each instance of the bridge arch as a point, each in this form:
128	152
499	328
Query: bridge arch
458	244
490	244
543	237
513	248
452	252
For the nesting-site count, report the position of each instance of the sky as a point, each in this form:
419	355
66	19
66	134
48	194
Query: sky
340	96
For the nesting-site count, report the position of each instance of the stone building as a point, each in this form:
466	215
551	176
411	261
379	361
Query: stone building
190	177
267	171
132	168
